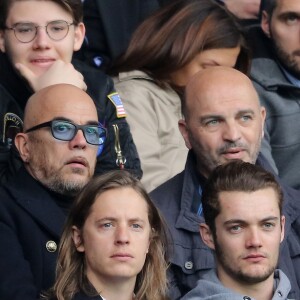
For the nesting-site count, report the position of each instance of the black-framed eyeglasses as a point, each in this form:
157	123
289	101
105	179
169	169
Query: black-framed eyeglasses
65	131
26	32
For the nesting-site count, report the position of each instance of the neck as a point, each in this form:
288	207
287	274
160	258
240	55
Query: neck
112	288
260	291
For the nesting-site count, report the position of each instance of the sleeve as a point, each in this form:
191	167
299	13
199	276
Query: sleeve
16	279
10	124
142	115
94	51
110	114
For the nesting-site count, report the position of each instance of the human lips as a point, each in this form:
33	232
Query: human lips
42	61
122	256
254	257
80	162
233	153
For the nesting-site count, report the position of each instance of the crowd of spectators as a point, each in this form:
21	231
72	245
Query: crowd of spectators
149	149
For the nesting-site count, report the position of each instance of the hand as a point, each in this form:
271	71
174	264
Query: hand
244	9
59	72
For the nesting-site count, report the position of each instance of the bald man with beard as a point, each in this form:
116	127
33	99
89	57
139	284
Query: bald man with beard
58	148
223	121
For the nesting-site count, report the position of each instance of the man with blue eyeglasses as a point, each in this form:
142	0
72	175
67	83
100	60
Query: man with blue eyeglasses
37	42
58	148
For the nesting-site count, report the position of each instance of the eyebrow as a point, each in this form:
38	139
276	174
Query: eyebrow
91	122
116	219
285	14
240	221
216	116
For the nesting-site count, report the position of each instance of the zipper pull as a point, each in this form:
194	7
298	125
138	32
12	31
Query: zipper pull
121	160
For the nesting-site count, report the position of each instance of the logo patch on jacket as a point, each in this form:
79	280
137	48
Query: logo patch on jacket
12	124
117	102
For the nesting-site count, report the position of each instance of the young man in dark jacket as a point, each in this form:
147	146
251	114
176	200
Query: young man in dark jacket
242	206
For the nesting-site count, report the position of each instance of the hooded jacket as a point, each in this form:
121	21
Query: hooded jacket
210	288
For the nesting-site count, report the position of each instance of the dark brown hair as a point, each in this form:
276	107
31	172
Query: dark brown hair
174	35
235	176
74	7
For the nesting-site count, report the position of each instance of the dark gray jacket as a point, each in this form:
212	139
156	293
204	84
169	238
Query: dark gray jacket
281	143
210	288
191	257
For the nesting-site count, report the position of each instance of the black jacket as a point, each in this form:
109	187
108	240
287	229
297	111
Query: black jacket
31	223
109	26
14	93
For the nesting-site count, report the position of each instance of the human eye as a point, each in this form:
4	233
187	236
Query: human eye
246	118
57	26
91	130
235	228
62	127
291	19
136	226
268	226
211	122
24	28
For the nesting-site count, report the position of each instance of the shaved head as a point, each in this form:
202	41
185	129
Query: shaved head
223	118
216	82
50	100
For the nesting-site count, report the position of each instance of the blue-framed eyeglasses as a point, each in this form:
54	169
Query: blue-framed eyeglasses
95	134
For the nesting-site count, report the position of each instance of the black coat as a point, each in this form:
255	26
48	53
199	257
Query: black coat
30	226
109	26
14	93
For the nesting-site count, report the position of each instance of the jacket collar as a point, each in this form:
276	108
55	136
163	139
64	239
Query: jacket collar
36	200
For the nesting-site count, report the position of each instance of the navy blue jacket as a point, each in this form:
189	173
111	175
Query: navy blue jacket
30	226
191	258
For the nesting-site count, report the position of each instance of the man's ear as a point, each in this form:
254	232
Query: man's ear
21	143
282	228
79	36
77	239
263	118
2	42
184	132
265	24
207	236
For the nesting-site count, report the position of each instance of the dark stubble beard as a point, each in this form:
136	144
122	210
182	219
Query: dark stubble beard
236	273
287	60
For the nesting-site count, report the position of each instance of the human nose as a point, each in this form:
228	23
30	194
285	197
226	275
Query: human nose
253	239
231	132
78	140
41	39
121	235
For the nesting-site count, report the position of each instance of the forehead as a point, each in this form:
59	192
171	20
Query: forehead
67	102
214	98
287	6
119	203
255	205
36	11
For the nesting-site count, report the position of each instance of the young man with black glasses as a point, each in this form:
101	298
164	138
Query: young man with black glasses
37	42
58	148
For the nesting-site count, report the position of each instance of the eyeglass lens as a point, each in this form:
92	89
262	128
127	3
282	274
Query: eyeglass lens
56	30
66	131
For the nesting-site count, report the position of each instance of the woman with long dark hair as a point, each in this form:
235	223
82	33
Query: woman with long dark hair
165	51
